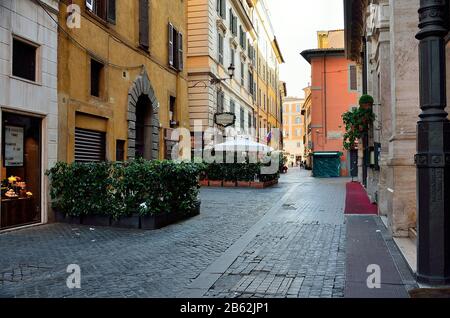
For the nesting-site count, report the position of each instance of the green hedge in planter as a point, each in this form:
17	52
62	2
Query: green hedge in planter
237	172
80	189
121	189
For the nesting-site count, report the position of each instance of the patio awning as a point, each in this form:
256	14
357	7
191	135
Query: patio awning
242	144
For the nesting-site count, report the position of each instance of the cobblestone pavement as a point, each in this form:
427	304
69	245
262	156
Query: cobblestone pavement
298	253
129	263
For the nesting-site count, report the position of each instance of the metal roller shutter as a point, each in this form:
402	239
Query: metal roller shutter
89	145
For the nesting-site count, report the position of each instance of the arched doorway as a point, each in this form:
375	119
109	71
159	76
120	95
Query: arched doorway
143	120
144	131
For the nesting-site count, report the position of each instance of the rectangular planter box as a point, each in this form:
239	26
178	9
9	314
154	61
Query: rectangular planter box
262	185
195	211
204	183
257	185
154	222
131	222
97	220
215	183
243	184
229	184
62	218
59	216
76	220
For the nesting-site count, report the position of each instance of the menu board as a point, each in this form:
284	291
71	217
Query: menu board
14	139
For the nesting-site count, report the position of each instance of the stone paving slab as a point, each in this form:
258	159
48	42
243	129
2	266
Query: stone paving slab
366	246
300	252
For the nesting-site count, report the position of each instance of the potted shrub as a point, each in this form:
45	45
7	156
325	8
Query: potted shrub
204	182
229	175
366	102
215	174
243	175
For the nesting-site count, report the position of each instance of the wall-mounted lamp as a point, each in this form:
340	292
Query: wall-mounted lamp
231	70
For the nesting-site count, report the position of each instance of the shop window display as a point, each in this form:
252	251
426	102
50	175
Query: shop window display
20	170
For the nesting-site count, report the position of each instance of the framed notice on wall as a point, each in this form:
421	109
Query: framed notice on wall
14	144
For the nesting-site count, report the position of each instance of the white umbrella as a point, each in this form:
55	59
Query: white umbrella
242	144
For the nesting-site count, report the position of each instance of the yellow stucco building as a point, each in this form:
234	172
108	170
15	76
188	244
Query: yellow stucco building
122	84
293	130
224	33
307	131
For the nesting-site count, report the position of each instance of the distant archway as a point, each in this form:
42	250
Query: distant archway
143	120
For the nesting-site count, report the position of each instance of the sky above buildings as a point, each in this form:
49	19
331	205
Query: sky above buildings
296	23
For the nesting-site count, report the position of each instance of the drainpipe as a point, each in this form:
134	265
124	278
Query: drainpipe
433	147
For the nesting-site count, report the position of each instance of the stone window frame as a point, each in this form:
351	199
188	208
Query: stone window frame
38	59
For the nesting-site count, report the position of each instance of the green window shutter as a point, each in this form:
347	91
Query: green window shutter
111	11
180	52
144	27
171	45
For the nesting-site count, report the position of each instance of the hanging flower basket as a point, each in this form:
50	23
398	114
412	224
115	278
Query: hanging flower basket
357	122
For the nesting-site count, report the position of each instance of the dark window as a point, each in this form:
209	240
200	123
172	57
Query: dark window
250	81
242	74
175	48
96	77
104	9
24	60
232	107
221	8
249	120
120	150
233	23
111	11
172	112
353	78
144	41
220	43
242	37
220	101
242	118
90	146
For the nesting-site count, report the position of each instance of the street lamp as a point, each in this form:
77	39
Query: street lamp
231	70
433	148
215	81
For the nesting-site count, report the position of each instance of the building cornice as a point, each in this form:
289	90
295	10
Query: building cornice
354	21
309	54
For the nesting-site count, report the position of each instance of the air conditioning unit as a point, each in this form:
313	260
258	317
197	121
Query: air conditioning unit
90	4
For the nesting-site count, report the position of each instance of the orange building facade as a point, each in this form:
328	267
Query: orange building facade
334	91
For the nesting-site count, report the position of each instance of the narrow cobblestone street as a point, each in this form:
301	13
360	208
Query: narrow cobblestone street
287	241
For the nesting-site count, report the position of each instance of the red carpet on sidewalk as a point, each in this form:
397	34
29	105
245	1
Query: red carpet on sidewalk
357	200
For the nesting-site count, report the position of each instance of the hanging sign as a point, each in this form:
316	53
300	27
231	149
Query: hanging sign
225	119
14	139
